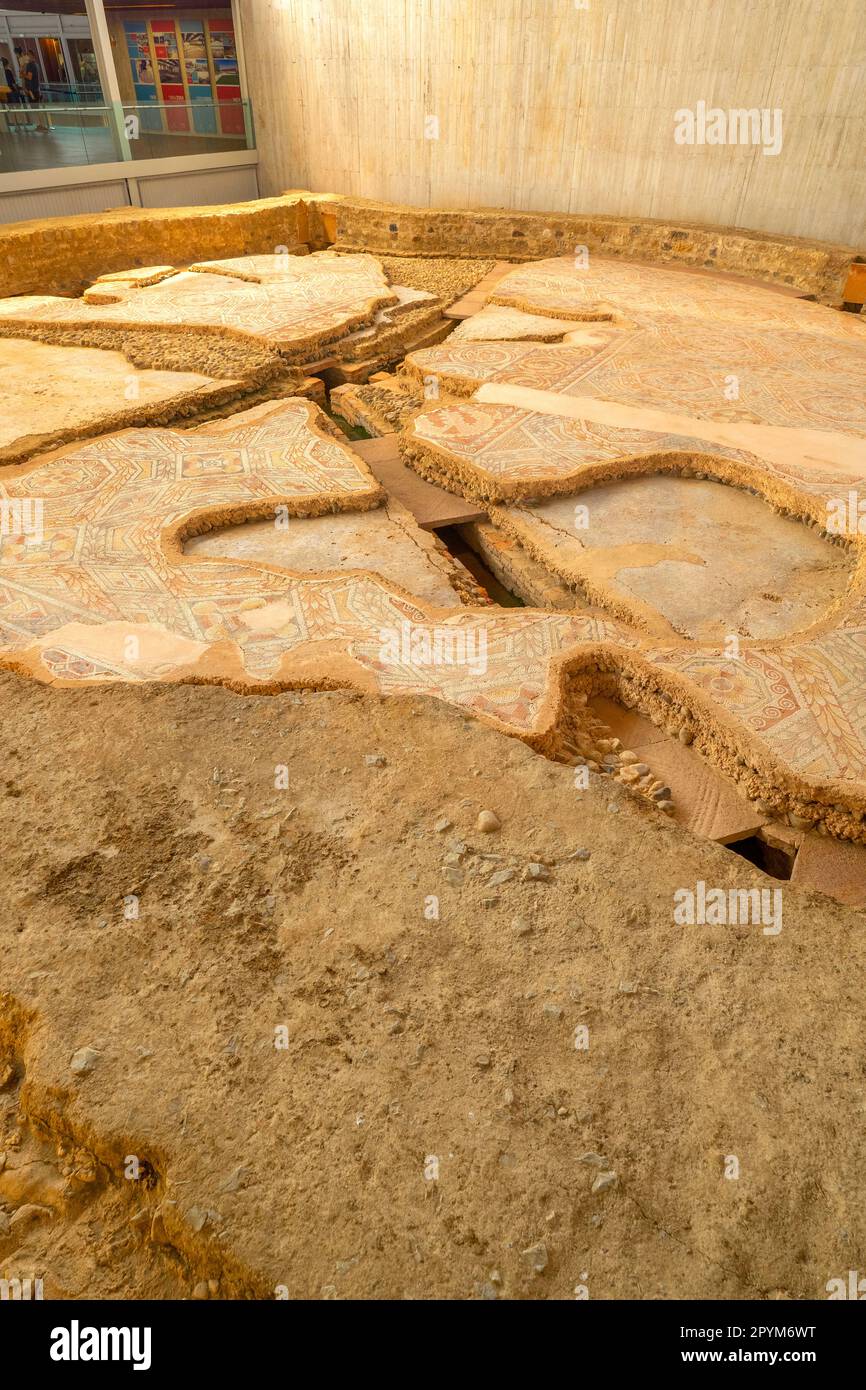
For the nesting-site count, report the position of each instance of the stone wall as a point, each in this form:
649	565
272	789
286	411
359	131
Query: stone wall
810	266
62	255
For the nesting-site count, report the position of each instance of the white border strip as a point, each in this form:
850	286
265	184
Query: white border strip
74	175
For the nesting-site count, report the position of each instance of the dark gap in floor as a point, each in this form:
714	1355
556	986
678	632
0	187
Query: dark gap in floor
455	545
350	431
778	863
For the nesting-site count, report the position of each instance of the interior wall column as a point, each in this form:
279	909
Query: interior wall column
107	73
242	73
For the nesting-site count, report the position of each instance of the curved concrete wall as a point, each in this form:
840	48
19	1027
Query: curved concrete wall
542	104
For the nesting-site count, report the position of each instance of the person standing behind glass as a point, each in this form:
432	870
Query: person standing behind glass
29	74
12	96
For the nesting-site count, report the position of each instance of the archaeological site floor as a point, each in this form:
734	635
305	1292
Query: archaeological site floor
600	571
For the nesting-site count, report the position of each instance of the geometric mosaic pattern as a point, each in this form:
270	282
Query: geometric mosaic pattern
106	593
786	377
684	373
796	381
648	296
115	512
290	303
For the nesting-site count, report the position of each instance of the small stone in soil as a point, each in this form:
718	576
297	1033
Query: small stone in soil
538	872
604	1181
83	1060
535	1258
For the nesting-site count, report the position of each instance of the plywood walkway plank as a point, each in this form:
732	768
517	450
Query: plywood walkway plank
431	506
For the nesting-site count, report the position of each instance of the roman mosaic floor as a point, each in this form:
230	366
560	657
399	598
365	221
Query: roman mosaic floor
153	344
50	394
299	307
386	539
697	377
676	373
294	304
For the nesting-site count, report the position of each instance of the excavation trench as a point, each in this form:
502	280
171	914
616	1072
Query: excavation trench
456	539
90	1217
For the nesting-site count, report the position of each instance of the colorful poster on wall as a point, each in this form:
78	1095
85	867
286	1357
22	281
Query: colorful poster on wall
143	78
224	53
198	78
171	86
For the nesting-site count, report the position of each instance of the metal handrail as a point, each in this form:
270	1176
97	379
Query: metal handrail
53	108
100	133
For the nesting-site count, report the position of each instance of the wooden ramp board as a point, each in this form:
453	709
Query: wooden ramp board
705	802
431	506
470	303
834	867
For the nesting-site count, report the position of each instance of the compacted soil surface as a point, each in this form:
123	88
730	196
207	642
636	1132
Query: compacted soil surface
279	1019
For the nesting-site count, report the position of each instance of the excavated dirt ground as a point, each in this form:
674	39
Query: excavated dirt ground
430	1128
439	275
